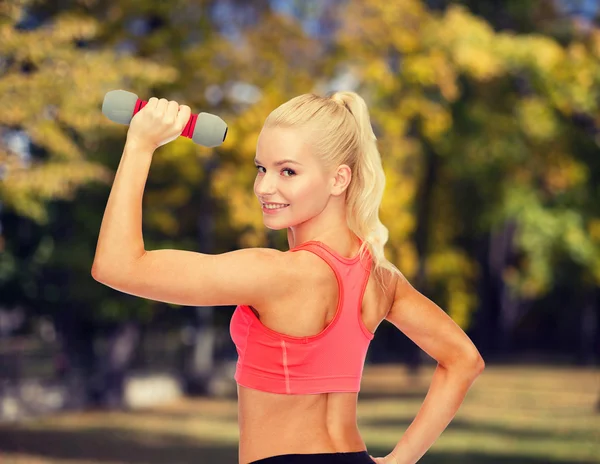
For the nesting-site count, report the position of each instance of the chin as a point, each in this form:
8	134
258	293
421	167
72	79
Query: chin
276	227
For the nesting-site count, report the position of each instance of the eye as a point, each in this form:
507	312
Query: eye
290	171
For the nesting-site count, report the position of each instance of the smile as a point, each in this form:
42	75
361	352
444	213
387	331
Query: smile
271	209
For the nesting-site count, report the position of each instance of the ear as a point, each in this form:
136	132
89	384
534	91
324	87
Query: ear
341	180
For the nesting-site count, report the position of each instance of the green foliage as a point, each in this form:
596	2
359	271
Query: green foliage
494	114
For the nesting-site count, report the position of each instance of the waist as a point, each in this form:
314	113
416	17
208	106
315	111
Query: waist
267	441
272	424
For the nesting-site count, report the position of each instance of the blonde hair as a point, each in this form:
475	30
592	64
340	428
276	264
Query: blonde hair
341	133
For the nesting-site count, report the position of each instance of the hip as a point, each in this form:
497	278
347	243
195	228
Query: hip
308	443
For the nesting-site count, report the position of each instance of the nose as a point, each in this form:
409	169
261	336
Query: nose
265	186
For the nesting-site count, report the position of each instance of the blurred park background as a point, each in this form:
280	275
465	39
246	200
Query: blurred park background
488	121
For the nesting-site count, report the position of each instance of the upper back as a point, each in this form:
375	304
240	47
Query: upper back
316	339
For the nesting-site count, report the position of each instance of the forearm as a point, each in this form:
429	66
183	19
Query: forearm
445	395
120	241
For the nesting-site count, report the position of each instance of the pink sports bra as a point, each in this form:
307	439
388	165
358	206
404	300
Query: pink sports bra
330	361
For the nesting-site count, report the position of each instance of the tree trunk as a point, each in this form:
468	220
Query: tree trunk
424	203
499	256
122	347
77	360
588	330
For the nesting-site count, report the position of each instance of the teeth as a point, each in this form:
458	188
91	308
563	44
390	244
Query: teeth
275	206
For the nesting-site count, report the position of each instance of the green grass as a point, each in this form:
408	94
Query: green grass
524	414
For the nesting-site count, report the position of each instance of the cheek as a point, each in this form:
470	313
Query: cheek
310	196
307	190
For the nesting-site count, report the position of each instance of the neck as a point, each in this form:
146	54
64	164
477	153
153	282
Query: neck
330	226
339	238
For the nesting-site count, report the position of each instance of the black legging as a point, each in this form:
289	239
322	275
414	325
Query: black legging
358	457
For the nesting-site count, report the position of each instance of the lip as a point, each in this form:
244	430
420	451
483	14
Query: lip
272	211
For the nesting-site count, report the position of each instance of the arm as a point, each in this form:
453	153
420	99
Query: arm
248	276
120	242
459	364
448	389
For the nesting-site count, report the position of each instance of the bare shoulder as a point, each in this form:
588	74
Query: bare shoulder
393	281
400	285
288	267
307	266
430	327
385	284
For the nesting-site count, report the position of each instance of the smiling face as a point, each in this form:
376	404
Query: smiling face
289	174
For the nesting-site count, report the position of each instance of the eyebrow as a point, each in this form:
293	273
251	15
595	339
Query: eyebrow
279	163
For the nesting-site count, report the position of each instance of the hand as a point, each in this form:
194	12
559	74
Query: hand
158	123
389	459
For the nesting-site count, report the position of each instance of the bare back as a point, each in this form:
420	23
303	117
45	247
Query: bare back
271	424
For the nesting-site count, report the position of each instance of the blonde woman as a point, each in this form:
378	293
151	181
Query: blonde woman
306	316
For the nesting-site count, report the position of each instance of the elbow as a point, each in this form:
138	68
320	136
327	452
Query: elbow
474	363
112	274
114	268
479	364
471	363
99	272
96	273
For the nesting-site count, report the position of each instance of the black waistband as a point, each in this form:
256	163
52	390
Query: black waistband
358	457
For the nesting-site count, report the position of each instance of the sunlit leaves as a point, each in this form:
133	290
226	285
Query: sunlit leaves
454	272
59	96
537	119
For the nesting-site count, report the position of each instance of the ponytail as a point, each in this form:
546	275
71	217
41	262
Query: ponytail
345	136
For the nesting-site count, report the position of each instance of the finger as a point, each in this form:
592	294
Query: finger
170	116
161	106
183	116
151	103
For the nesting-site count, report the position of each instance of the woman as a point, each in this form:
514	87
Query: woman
305	317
